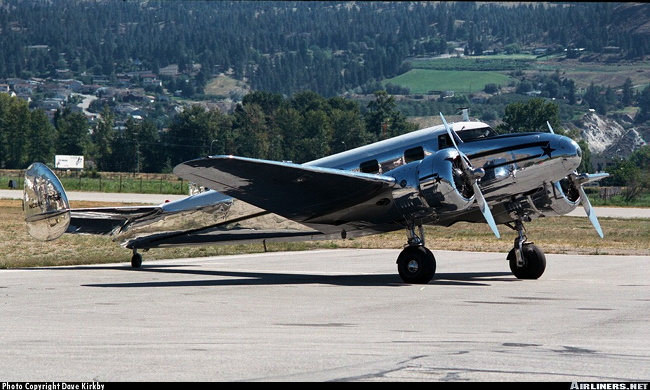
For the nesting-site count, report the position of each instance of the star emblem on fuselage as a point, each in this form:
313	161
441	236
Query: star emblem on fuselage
547	150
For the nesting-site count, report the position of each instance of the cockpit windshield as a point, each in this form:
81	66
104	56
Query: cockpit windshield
474	134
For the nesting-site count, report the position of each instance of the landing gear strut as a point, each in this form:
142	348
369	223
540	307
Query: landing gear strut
416	264
526	260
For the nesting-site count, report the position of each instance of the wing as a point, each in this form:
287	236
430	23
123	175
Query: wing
276	201
300	193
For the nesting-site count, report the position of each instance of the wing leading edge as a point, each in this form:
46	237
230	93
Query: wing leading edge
295	191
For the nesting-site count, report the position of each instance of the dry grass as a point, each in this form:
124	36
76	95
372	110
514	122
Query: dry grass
553	235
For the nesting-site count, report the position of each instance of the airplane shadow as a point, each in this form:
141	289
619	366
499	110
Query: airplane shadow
235	278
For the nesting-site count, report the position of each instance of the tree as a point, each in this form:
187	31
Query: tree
378	113
147	146
289	122
571	91
73	135
644	105
41	138
529	116
14	130
102	138
633	173
628	92
191	134
348	131
250	131
316	137
595	99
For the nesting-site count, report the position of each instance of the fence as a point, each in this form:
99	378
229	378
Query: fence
144	183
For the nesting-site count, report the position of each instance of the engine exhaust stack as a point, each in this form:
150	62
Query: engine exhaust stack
46	206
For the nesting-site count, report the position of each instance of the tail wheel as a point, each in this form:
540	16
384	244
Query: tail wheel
136	260
416	264
534	262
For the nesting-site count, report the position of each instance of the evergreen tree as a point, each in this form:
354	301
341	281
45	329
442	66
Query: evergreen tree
42	135
316	137
382	118
644	105
348	131
251	131
14	130
529	116
628	93
191	134
73	135
103	137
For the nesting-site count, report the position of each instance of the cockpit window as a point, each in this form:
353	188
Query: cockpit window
467	135
473	134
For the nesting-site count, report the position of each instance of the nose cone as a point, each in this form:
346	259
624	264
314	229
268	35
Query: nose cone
571	153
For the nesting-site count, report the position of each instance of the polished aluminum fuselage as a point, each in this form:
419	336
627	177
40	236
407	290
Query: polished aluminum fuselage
521	173
513	163
416	178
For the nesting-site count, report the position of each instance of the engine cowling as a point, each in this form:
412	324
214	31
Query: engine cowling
442	182
557	198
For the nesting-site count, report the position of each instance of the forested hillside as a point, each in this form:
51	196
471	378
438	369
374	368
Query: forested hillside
327	47
119	81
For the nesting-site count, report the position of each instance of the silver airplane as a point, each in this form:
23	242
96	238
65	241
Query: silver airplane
439	175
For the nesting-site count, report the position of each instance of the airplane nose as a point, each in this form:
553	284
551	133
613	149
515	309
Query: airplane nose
572	153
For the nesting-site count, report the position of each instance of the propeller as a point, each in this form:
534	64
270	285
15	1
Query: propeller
550	128
578	181
589	210
474	175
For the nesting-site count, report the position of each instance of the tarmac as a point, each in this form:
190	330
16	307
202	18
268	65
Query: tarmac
328	315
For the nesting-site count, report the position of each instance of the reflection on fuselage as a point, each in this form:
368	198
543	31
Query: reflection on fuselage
513	164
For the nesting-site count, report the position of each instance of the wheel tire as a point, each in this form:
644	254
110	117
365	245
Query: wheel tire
534	262
416	264
136	260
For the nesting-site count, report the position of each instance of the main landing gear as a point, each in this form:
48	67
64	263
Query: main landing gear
416	264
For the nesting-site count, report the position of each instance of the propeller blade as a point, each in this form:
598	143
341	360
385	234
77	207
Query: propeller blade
485	210
480	199
452	136
590	211
550	128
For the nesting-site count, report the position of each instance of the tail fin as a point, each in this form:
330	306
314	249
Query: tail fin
46	206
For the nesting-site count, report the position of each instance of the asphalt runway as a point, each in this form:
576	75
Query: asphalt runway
327	315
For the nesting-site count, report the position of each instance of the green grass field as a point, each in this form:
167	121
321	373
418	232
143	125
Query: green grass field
421	81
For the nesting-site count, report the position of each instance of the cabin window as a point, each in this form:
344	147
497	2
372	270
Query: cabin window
413	154
371	166
444	142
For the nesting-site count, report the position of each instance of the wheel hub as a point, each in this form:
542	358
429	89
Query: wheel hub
413	266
